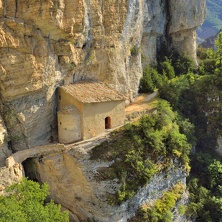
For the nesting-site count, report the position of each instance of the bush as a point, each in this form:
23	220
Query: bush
173	90
146	82
209	65
150	81
204	186
202	53
161	209
182	63
25	201
167	69
137	149
134	51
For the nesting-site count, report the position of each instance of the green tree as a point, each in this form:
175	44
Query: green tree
150	81
167	69
25	201
214	174
218	44
146	82
182	64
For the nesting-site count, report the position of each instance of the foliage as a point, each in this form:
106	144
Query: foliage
150	80
172	90
213	21
157	78
193	96
207	66
25	202
166	68
182	63
196	98
134	50
138	147
146	82
161	209
10	117
205	189
218	44
211	62
202	53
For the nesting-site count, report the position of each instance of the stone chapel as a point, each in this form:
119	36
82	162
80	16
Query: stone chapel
86	109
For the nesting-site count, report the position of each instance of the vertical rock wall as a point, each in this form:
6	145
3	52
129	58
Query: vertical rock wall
184	18
74	183
44	44
4	151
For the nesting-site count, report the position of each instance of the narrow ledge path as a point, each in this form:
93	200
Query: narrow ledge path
141	105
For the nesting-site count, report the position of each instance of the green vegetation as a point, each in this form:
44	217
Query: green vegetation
218	51
158	76
134	50
142	149
10	117
161	209
205	189
196	97
213	21
25	202
150	80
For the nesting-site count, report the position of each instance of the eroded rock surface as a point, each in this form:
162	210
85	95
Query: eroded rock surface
4	151
44	44
185	17
73	182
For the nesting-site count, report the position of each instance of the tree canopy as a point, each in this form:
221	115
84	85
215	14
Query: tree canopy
25	201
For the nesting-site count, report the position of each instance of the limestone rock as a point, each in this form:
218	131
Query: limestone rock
10	176
186	14
72	181
4	151
185	17
45	44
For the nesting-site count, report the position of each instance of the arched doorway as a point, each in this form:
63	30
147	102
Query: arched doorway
107	122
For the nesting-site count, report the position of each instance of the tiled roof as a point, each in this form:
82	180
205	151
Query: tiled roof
92	92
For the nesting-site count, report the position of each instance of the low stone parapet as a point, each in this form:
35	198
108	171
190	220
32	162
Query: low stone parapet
38	151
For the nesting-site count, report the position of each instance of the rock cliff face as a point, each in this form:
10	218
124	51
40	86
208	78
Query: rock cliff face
44	44
4	151
73	182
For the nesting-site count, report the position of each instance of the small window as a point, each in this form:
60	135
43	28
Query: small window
60	123
107	122
59	97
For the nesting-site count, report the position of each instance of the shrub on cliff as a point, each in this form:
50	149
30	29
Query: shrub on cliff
150	81
161	209
167	69
25	201
182	64
141	150
205	189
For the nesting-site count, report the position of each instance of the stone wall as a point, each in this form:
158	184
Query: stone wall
69	125
94	115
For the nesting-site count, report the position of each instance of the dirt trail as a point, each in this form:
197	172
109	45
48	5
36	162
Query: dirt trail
141	103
